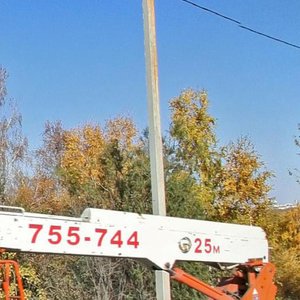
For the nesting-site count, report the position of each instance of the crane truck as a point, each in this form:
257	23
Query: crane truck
158	241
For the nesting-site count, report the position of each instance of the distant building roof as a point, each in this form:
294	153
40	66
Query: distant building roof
285	206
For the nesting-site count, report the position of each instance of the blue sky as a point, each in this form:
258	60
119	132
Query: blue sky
83	61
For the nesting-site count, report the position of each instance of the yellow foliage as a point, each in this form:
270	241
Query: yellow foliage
82	150
32	283
90	154
283	233
192	127
232	183
287	262
289	226
41	194
122	130
243	186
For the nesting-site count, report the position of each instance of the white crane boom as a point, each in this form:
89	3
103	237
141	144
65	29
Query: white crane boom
157	239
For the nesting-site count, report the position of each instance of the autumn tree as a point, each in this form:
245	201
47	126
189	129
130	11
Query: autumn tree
192	129
194	144
42	191
283	231
231	182
191	165
90	166
287	254
13	164
284	237
243	185
106	167
13	145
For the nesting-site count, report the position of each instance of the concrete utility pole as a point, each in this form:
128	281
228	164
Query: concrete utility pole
155	139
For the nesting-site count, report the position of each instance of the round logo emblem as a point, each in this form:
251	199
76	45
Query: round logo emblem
185	245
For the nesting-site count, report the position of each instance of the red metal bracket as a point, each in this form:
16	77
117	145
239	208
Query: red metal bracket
7	268
250	281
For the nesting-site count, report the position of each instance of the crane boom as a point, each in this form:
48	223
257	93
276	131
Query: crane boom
158	240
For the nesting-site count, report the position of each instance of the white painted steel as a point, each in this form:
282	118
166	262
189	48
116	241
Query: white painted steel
161	240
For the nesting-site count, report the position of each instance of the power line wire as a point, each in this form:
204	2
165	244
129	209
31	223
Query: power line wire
240	24
269	36
211	11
